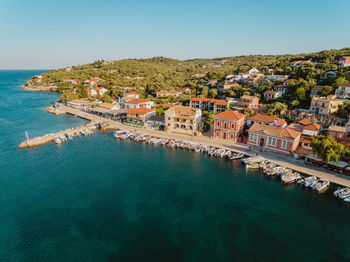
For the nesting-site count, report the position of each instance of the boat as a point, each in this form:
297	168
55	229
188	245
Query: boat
236	156
309	181
322	185
252	165
57	140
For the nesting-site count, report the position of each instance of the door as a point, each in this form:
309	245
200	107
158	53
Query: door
262	141
224	135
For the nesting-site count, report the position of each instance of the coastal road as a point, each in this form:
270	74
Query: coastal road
287	161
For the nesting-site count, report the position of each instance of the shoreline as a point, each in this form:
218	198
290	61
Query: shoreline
286	161
41	89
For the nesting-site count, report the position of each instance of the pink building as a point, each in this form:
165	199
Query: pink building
228	125
249	102
272	138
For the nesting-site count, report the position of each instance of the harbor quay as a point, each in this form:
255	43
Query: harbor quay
286	161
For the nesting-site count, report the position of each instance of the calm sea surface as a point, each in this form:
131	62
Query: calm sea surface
98	199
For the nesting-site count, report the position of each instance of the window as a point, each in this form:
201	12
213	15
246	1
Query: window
272	141
284	144
332	134
253	137
218	124
340	135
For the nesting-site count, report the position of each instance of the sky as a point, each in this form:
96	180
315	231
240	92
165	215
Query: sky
42	34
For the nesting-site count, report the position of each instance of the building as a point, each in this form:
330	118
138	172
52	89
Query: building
110	106
100	90
228	125
138	116
253	71
270	95
274	78
299	63
92	92
343	61
249	102
338	132
209	104
282	89
156	121
71	81
166	93
183	119
138	103
212	82
316	91
308	132
325	105
131	95
272	138
343	91
224	86
266	120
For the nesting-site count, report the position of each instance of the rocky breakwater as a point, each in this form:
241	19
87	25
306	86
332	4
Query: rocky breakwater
41	140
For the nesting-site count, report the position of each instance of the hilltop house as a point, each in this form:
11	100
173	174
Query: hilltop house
270	94
228	125
282	89
249	102
325	105
272	138
165	93
343	91
343	61
208	104
100	90
182	119
266	120
316	91
131	95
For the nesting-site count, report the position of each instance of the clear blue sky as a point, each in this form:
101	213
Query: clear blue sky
54	34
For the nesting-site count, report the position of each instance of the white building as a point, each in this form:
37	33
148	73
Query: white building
343	91
138	103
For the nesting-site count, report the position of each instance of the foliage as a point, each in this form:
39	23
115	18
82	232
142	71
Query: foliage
326	90
343	110
327	148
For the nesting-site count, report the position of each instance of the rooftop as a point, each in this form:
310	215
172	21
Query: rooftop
337	128
140	111
286	132
267	119
230	115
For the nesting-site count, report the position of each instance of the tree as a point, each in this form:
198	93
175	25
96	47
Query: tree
301	93
276	108
340	81
106	98
327	148
343	110
326	90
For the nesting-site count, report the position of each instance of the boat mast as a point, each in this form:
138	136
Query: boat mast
27	135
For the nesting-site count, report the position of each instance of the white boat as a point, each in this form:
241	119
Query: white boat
309	181
57	140
237	156
322	185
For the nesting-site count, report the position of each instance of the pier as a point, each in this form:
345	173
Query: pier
41	140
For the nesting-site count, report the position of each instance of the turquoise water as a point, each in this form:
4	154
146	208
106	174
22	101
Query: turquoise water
98	199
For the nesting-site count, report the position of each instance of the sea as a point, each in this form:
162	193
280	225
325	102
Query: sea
98	199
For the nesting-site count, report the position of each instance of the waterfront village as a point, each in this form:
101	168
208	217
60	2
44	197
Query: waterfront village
315	126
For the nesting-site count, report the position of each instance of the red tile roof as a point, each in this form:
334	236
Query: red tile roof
305	122
267	119
138	101
313	126
140	111
275	131
230	115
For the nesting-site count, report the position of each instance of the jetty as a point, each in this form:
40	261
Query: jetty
41	140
